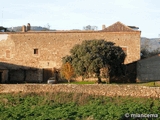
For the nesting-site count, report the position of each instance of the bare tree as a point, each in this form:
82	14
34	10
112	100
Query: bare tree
89	27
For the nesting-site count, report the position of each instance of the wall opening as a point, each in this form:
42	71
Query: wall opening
47	73
35	51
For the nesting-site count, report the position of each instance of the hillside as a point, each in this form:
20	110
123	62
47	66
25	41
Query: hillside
150	44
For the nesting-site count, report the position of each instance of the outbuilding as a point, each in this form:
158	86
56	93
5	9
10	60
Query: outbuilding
148	69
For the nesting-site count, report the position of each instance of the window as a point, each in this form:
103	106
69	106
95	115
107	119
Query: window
36	51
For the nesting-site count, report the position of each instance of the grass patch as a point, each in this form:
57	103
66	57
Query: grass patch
83	82
151	84
73	106
148	84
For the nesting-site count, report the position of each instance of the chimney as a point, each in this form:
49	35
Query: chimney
103	27
28	27
23	28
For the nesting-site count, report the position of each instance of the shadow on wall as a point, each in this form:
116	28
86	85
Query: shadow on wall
12	73
130	74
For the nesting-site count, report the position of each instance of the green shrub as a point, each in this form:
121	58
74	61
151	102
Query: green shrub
73	106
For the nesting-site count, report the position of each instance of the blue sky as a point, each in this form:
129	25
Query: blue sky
75	14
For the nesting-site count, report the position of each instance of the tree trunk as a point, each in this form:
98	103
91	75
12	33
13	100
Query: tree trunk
108	74
82	77
99	80
56	76
69	81
98	76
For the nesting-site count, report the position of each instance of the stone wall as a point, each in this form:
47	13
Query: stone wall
97	89
148	69
24	76
44	50
18	48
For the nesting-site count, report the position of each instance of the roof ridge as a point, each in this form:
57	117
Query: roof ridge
122	27
125	25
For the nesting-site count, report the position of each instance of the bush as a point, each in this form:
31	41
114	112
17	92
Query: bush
67	71
71	106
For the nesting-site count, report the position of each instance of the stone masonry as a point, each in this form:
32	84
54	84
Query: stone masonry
45	49
101	89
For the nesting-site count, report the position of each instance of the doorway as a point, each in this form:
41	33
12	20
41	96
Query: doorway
47	73
0	77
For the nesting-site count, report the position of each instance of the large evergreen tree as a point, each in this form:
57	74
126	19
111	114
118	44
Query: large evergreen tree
92	55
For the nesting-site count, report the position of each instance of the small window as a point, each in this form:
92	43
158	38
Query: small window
36	51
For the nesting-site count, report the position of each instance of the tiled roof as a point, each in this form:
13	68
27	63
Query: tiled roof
118	27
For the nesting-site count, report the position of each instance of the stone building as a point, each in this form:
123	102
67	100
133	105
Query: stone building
31	56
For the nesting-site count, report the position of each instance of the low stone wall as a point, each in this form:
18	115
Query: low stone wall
106	90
